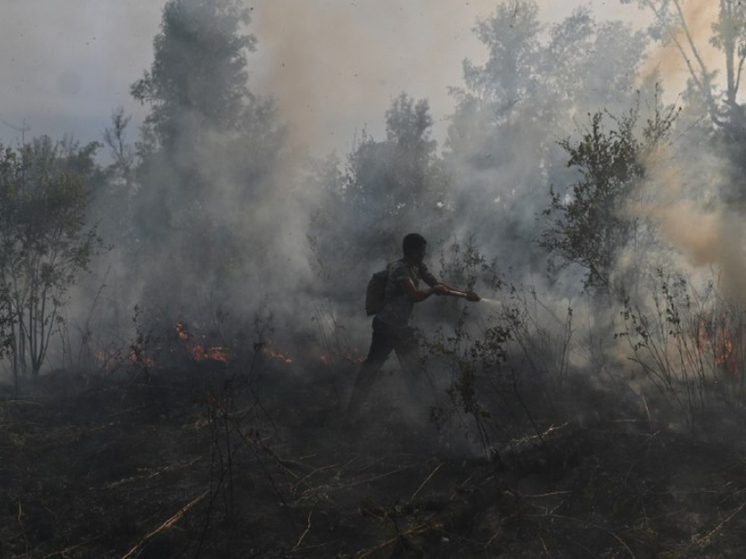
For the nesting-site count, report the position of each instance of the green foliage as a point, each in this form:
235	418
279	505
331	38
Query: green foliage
198	77
515	106
45	242
588	224
463	264
387	189
400	176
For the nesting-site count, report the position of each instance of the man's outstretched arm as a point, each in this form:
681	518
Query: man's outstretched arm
432	281
418	295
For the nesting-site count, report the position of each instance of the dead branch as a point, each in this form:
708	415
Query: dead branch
304	534
167	524
705	540
597	527
374	478
151	475
65	552
23	529
427	479
421	529
308	475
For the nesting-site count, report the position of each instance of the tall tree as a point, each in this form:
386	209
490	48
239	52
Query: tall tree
712	114
198	79
207	153
674	25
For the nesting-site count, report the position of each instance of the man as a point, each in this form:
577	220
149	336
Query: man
391	330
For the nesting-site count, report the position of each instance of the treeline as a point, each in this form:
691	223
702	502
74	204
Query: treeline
548	169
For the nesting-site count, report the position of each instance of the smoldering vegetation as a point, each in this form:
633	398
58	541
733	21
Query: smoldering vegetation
181	327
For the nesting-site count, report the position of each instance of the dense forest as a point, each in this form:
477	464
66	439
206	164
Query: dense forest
182	307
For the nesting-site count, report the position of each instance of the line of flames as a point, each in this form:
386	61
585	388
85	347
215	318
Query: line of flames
199	352
726	342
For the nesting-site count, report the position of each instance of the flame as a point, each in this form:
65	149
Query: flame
198	351
725	340
181	332
275	354
327	358
99	355
140	359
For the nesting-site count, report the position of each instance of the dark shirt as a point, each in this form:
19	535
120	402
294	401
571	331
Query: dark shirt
397	305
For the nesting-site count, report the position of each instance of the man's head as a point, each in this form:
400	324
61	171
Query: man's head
414	246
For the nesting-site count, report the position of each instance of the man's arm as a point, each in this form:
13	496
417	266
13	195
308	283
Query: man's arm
450	290
432	281
417	295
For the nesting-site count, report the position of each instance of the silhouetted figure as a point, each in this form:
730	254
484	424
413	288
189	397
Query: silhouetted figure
391	330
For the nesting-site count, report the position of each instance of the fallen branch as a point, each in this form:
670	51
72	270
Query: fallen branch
167	524
372	479
65	552
317	470
704	540
151	475
427	479
364	553
23	528
304	534
596	526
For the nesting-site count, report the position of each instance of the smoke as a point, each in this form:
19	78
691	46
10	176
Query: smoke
683	201
683	46
335	66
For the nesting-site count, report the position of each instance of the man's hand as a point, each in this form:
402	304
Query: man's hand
473	297
440	289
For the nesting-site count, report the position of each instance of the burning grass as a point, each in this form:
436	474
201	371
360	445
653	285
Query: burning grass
203	446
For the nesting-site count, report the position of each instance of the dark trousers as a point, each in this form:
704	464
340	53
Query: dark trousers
385	339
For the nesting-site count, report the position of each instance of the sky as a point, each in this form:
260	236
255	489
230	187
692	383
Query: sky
334	66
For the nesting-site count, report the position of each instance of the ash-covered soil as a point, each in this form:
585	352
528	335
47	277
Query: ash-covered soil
204	463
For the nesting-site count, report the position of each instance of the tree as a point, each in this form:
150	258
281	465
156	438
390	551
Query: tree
712	115
588	225
513	109
198	79
395	179
674	27
388	188
207	154
45	243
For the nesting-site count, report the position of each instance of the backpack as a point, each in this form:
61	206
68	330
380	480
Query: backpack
374	295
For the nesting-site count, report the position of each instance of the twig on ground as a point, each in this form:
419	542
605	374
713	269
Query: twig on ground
304	534
372	479
167	524
427	479
364	553
596	526
23	529
65	552
308	475
705	540
151	475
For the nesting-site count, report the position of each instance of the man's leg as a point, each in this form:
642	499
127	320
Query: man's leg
380	348
407	349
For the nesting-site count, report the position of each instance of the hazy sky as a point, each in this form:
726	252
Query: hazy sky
333	65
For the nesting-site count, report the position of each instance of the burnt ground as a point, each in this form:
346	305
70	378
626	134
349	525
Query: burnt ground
201	464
